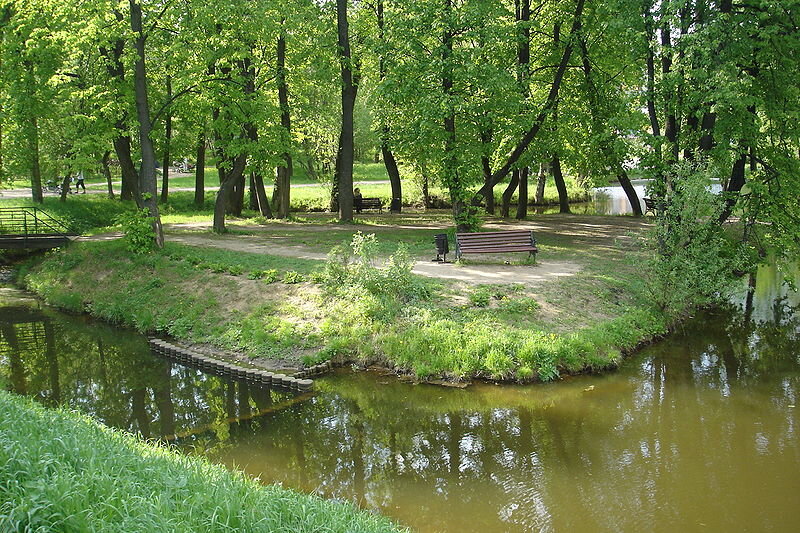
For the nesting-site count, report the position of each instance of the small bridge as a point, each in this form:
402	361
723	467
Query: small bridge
30	228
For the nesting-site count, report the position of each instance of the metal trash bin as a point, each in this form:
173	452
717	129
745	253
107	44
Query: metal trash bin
442	247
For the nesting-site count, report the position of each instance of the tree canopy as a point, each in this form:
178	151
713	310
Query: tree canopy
468	93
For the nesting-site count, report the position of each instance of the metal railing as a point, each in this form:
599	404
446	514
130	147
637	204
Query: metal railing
30	223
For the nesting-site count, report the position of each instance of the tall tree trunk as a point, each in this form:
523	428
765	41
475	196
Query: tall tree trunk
558	177
231	190
107	174
505	207
129	189
389	161
200	171
284	171
522	203
262	202
450	164
550	102
486	166
147	177
36	171
523	12
541	181
167	139
599	125
348	103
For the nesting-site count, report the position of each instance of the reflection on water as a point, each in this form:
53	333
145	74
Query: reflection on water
612	200
111	375
696	433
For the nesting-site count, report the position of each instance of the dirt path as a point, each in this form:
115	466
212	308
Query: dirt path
469	273
589	231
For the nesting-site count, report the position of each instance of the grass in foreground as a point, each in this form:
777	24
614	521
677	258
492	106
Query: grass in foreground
61	471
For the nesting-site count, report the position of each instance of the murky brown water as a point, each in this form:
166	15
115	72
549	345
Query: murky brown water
696	433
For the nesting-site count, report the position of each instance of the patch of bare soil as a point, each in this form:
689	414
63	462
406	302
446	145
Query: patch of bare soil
468	273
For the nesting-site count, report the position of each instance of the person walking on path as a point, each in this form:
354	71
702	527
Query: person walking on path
79	182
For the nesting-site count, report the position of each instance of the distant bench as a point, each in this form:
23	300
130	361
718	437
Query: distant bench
371	203
653	205
491	242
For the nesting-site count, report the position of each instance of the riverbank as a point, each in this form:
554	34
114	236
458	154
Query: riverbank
65	472
290	309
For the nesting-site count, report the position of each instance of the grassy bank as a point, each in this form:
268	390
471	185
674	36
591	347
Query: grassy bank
233	293
61	471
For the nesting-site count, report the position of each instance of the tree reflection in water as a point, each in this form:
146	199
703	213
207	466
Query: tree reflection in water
696	432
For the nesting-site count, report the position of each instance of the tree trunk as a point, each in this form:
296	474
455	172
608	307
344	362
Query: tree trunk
389	162
262	202
107	174
167	139
2	165
200	171
426	195
230	197
388	157
599	125
522	203
486	166
36	171
147	177
561	186
65	187
451	177
129	189
284	171
541	181
735	184
505	207
547	108
348	102
226	190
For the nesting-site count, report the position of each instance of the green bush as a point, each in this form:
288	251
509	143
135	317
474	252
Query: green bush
292	277
140	238
353	265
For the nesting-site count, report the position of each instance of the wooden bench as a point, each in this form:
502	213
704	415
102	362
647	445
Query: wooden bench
491	242
653	205
370	203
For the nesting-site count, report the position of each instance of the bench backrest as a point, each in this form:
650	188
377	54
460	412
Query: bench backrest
371	202
495	238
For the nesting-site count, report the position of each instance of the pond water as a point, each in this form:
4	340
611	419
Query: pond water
698	432
612	200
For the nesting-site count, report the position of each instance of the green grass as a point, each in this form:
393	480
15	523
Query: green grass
307	196
191	293
61	471
271	306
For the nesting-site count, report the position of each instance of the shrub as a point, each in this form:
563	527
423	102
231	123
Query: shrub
137	225
693	259
353	266
292	277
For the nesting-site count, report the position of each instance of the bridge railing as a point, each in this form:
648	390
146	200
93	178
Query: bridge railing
30	221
